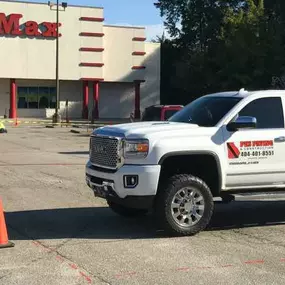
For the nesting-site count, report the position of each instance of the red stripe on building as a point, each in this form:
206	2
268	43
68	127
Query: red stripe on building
233	151
139	53
91	49
96	91
91	64
91	19
86	34
91	79
139	39
138	67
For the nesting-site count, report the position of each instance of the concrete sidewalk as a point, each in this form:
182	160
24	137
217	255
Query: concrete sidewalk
74	122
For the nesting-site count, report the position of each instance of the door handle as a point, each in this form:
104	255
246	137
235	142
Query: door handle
279	139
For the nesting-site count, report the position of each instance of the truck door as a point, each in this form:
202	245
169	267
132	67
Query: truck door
256	157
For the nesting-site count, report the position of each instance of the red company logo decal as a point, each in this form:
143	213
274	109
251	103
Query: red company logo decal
233	151
10	25
244	147
256	143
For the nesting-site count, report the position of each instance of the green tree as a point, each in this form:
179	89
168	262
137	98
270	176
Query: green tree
221	45
241	51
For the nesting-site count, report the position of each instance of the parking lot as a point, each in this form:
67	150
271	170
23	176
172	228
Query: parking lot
63	235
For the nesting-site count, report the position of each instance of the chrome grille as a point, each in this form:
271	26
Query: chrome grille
104	151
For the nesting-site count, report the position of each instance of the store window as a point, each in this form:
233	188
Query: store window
36	97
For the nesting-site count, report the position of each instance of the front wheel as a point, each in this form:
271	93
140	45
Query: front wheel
125	211
185	206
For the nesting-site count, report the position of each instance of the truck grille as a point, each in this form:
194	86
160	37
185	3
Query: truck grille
104	152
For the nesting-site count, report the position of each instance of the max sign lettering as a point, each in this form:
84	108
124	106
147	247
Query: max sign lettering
10	25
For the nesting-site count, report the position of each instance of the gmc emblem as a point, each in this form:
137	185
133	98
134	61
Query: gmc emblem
100	149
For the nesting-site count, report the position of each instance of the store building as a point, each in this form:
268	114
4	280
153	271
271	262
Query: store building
108	70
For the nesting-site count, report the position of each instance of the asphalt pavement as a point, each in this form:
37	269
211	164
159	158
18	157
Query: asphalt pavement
63	235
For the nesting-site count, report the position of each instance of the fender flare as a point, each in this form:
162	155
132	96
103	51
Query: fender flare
182	153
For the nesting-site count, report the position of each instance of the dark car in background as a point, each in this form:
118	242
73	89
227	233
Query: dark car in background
160	112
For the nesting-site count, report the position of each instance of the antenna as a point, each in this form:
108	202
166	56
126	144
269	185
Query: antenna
242	91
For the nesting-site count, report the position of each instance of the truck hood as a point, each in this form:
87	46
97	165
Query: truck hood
150	129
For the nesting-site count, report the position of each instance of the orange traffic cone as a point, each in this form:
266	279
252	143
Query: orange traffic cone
4	242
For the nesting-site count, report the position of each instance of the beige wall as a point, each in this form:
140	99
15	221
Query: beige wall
35	58
32	62
71	90
32	58
117	100
150	90
119	59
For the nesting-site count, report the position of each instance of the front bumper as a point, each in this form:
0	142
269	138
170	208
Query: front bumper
111	185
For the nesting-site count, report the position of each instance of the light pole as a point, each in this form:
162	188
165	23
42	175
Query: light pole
56	117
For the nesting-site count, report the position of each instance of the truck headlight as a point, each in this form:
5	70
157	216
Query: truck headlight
137	148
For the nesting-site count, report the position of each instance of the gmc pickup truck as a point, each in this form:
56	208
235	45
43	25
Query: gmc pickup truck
219	145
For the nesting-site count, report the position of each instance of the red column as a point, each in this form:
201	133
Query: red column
13	99
96	100
85	100
137	99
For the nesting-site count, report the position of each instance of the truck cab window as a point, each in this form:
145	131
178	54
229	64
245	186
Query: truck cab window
205	111
267	111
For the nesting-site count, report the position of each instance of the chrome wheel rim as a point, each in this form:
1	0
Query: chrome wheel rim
187	207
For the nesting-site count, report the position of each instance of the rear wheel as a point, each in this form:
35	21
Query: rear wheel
125	211
185	206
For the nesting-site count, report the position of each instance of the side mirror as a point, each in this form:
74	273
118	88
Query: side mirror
242	123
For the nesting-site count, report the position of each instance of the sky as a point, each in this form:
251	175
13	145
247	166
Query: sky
127	12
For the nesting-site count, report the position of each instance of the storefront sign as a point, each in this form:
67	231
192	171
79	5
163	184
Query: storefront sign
10	25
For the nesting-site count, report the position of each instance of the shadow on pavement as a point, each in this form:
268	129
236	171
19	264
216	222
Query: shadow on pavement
82	135
245	214
87	223
74	152
102	223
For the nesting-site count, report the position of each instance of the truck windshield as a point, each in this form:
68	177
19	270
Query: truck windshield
205	111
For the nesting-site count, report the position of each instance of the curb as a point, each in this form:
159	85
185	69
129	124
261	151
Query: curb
50	122
77	126
44	122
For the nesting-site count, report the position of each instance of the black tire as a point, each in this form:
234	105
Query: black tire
165	195
125	211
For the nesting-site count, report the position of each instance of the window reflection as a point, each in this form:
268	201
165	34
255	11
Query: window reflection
36	97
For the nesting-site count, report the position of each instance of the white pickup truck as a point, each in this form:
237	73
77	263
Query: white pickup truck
217	146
